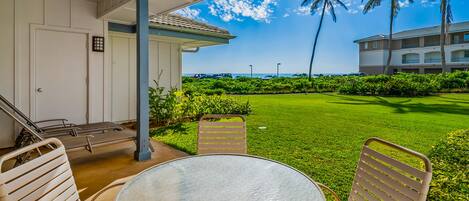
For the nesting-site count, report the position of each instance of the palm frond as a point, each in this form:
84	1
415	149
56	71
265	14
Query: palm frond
449	14
341	4
370	5
315	5
396	7
330	7
306	2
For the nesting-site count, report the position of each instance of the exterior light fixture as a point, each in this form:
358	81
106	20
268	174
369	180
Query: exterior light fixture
98	44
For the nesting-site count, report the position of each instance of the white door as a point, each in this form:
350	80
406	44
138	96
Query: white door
61	60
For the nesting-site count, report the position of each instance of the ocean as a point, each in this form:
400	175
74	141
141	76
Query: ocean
260	75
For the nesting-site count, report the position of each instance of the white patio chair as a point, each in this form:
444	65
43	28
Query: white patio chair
381	177
221	137
45	177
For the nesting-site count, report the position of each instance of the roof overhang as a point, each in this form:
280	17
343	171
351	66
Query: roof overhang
420	32
124	11
187	38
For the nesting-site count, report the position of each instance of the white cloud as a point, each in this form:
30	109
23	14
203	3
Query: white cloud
286	15
427	3
228	10
354	7
302	10
404	3
189	13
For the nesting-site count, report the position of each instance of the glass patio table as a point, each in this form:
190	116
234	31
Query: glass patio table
221	177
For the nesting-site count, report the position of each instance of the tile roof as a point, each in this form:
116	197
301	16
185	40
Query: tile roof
182	23
427	31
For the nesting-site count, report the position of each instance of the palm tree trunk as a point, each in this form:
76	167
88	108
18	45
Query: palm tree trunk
391	23
443	35
316	41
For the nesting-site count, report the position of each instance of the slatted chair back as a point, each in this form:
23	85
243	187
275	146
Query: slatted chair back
46	177
380	177
221	136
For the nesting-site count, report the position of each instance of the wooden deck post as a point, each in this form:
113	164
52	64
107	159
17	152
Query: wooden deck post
142	153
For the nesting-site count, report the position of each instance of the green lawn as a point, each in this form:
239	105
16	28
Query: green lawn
321	134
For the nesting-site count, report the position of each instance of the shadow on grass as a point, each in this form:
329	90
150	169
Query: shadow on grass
406	106
176	128
454	100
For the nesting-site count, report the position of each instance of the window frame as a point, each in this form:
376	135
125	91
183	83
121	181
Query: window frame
456	39
466	37
374	44
406	61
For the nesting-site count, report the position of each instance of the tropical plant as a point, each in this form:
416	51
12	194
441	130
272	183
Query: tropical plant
446	19
394	9
314	6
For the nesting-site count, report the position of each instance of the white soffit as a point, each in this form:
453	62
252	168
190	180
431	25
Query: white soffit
126	12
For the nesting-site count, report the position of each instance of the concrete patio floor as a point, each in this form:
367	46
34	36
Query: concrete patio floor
99	176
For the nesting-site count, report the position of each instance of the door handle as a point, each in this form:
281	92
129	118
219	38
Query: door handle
39	90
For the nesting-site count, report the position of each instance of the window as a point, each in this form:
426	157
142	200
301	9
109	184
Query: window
460	56
411	43
411	58
432	57
374	44
431	41
466	37
455	39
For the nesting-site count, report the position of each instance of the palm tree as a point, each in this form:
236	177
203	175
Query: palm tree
446	19
394	9
314	6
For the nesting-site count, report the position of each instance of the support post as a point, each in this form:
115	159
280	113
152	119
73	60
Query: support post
143	152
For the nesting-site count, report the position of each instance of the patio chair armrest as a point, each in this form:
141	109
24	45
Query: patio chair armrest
325	188
66	125
51	120
54	131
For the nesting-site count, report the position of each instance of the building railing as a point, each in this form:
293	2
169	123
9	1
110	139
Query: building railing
411	61
460	59
433	60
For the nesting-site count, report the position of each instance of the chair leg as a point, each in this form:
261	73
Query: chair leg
152	149
326	188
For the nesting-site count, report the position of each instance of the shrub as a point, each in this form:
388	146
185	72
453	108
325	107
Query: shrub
450	159
401	84
169	107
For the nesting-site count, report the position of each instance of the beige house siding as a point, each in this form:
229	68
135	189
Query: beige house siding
165	68
107	81
7	70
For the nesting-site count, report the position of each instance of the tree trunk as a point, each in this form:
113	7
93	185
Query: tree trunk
391	23
443	35
316	41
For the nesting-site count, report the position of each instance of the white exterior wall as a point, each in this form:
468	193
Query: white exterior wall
20	19
7	70
378	57
165	59
373	58
397	54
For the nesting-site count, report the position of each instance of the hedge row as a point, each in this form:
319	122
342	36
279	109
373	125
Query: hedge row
386	85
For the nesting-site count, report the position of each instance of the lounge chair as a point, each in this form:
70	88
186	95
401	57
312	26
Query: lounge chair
58	127
221	137
381	177
71	139
45	177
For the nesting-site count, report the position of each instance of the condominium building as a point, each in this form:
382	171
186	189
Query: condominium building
416	51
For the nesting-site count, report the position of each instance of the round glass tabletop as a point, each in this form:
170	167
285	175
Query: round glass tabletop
221	178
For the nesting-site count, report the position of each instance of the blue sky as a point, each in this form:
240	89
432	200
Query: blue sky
272	31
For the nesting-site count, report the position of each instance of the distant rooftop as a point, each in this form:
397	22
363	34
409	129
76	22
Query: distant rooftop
179	23
427	31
